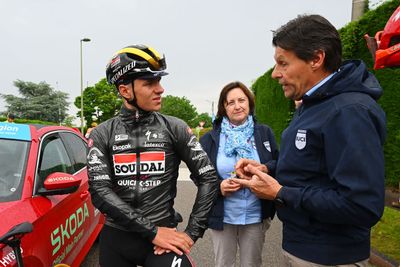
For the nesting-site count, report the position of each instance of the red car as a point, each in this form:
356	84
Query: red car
43	180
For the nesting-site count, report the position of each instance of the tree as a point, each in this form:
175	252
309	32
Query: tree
38	102
100	102
201	117
178	107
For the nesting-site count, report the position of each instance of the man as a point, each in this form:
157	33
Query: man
10	118
133	164
329	186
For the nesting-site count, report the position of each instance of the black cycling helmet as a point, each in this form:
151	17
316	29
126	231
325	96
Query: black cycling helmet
135	61
168	260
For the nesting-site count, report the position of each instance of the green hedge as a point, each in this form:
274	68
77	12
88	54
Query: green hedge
273	109
3	119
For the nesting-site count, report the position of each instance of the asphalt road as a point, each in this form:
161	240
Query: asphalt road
202	252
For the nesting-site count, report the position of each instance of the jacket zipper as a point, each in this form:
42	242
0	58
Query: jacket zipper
136	193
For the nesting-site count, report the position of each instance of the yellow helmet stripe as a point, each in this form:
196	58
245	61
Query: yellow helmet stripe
141	54
154	52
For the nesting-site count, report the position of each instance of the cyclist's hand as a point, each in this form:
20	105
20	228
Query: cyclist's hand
168	239
159	250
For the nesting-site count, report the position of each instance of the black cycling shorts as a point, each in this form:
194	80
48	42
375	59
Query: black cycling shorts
122	249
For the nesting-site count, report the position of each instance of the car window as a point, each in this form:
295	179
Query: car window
53	158
77	148
13	155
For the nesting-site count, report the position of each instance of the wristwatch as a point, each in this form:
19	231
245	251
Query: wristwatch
279	201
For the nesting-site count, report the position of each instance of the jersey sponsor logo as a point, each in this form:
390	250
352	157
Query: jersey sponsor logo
206	169
194	144
150	163
152	135
98	167
199	156
101	177
93	156
151	144
267	145
121	147
121	137
134	183
301	139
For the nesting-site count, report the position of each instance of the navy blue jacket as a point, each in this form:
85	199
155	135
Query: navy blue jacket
331	165
262	134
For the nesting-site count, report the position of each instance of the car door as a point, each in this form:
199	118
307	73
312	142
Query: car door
59	226
76	148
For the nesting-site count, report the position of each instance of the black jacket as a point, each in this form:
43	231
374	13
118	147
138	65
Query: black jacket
139	199
268	153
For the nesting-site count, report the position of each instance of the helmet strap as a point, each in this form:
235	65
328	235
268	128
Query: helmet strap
133	101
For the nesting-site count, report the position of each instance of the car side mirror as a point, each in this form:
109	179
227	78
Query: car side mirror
60	183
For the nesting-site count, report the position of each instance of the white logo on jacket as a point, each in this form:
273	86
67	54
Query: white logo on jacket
121	137
301	139
93	156
267	145
194	144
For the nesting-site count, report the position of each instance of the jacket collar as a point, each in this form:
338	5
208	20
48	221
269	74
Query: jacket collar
134	116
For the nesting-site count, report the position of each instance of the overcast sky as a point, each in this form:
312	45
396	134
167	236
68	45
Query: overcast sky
207	43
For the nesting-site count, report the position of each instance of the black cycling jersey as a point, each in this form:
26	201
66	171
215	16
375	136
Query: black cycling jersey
133	164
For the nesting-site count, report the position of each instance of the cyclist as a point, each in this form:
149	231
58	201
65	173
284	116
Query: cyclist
133	164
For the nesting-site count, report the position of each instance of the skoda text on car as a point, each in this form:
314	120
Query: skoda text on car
43	180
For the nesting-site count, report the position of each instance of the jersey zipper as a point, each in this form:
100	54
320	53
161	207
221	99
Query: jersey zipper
136	193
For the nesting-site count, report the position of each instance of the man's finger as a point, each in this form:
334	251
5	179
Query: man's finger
255	171
243	182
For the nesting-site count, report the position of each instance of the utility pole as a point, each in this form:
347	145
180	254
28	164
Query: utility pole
357	9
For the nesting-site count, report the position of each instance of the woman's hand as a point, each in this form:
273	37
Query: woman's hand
228	186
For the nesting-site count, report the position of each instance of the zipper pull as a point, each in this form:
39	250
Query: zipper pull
137	115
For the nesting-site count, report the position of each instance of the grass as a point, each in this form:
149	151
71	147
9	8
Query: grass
385	236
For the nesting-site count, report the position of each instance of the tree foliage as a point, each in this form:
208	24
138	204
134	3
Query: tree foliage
179	107
389	78
39	101
202	117
272	107
100	102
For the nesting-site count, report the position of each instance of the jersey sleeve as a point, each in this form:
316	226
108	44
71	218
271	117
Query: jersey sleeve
203	175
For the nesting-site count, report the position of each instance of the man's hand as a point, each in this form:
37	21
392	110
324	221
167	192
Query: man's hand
260	183
242	171
228	186
168	239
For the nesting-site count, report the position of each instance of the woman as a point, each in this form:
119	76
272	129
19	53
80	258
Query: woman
238	217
